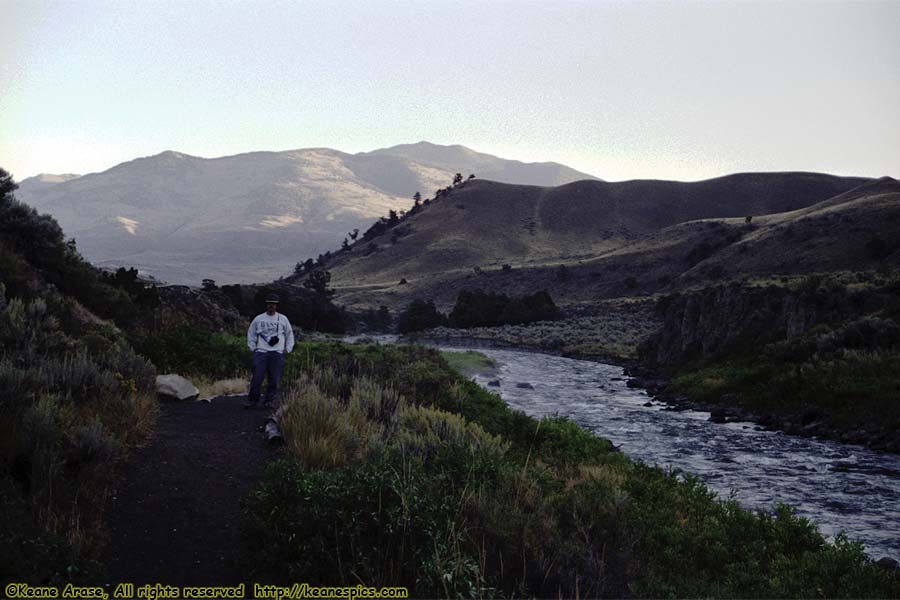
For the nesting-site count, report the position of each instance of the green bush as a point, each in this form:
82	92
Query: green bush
190	350
691	545
387	521
419	315
423	432
848	375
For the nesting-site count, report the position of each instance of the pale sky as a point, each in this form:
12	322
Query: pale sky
621	90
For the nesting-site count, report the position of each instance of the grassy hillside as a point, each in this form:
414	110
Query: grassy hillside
616	240
857	230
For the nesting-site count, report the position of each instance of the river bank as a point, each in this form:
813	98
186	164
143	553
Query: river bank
434	480
611	333
614	339
838	486
799	423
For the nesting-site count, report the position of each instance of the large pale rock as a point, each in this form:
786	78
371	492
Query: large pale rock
176	386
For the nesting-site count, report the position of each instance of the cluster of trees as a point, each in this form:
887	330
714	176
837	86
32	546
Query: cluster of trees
478	308
144	295
309	308
419	315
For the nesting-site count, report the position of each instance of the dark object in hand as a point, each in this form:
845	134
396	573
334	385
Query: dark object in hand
273	341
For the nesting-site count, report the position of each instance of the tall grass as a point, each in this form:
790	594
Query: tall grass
326	432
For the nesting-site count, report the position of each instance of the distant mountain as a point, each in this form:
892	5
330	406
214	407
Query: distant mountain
661	233
249	217
459	159
40	183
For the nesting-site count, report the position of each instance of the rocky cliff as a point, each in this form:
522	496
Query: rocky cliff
722	319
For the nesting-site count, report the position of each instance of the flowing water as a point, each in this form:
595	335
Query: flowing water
838	486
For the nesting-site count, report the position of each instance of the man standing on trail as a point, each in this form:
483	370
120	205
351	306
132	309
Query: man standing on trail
270	338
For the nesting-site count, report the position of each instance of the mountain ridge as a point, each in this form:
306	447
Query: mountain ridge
239	218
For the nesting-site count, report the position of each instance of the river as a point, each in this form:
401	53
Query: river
839	487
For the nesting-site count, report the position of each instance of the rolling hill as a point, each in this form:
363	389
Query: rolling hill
621	239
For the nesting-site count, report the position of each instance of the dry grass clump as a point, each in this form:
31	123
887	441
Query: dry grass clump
324	431
213	388
423	431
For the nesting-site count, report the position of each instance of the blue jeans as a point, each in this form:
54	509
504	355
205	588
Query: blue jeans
265	364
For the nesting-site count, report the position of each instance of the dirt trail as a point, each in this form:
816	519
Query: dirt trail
175	516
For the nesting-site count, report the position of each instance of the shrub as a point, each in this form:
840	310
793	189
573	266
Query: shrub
191	350
423	431
320	432
419	315
66	420
399	527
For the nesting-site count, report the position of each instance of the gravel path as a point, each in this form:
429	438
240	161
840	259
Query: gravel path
175	516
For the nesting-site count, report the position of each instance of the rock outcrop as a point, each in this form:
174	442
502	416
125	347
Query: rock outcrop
211	310
726	318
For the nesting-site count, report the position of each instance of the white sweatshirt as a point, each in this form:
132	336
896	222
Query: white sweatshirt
264	327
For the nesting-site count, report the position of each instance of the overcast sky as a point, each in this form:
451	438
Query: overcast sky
621	90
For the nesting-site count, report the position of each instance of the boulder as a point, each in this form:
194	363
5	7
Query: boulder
176	386
727	414
718	417
494	383
525	386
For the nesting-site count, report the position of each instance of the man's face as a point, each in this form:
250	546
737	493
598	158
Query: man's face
270	307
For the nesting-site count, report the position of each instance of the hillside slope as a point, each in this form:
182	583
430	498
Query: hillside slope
604	233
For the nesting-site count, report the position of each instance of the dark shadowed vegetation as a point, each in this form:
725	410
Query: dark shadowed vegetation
821	354
74	396
478	308
419	315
